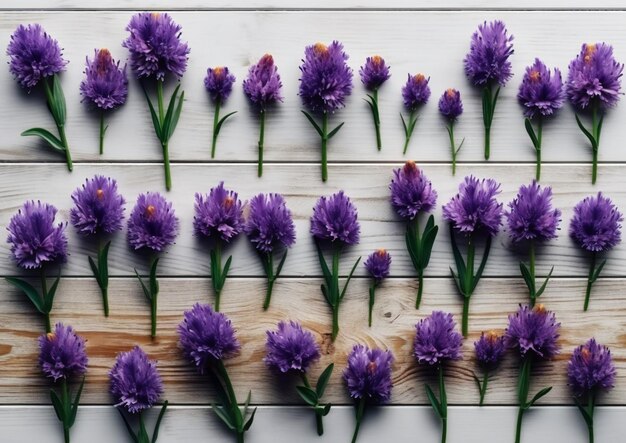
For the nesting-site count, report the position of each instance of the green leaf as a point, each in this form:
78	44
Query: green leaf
597	271
46	136
545	283
167	120
58	405
588	418
457	281
225	271
308	395
528	279
58	100
538	395
103	265
247	403
332	133
592	140
250	420
486	106
478	383
72	418
176	116
428	241
412	121
312	121
531	132
406	130
129	428
322	382
154	283
155	118
326	409
51	293
433	401
146	291
458	258
224	415
493	105
29	291
412	248
345	286
599	131
325	294
483	263
280	264
218	127
155	434
325	270
94	270
460	146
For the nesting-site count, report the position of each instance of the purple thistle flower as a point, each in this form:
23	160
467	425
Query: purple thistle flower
270	224
155	46
450	104
416	91
475	208
153	223
263	85
590	368
206	336
219	83
436	341
534	331
411	191
594	77
374	72
488	59
489	350
62	353
105	84
34	55
290	348
377	264
219	214
531	216
99	207
135	381
541	92
368	374
326	79
34	238
335	219
595	225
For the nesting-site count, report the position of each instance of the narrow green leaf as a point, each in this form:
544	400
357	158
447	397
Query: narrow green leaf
308	395
539	394
94	270
103	264
72	418
599	131
325	294
248	424
493	105
345	286
225	271
456	281
597	271
332	133
460	146
155	118
326	409
412	121
483	263
146	291
129	428
486	106
247	403
545	283
47	136
531	132
406	130
428	241
176	116
167	119
154	283
51	293
458	258
588	419
588	134
325	270
280	264
218	127
155	433
433	401
312	121
322	382
59	101
478	383
412	248
29	291
58	405
528	279
224	415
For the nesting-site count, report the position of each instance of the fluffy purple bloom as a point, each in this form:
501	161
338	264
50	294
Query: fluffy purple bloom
594	77
34	55
263	85
219	83
488	59
206	336
475	208
541	92
531	216
534	331
105	84
291	348
368	374
152	224
99	208
34	238
270	224
436	341
155	46
489	349
335	219
62	353
374	72
219	214
590	368
411	191
135	382
326	79
416	91
378	264
595	225
450	104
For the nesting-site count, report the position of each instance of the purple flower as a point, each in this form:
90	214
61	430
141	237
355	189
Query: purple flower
488	59
270	224
416	91
541	93
290	348
99	207
377	264
590	368
450	104
534	331
335	219
34	55
219	83
326	79
531	216
594	77
105	84
489	349
219	214
152	224
135	382
62	353
34	238
436	341
374	72
206	336
368	374
263	84
411	191
595	225
155	46
475	208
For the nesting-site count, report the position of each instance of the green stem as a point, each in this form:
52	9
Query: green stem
153	314
420	288
218	274
230	392
164	143
104	287
261	137
270	280
359	417
452	146
318	416
523	387
105	300
379	144
371	303
443	399
335	293
469	276
483	388
518	428
216	119
65	399
60	128
594	147
44	296
324	146
538	148
409	132
592	269
591	404
414	231
102	132
531	254
160	100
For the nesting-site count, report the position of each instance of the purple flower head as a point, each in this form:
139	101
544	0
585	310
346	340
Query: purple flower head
488	59
489	350
206	336
436	341
135	382
99	208
262	87
62	353
374	72
290	348
450	104
335	219
368	374
34	55
105	84
219	83
595	225
219	214
152	224
416	91
594	77
541	92
34	238
411	191
531	216
475	208
269	224
155	46
326	79
377	264
591	368
534	331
